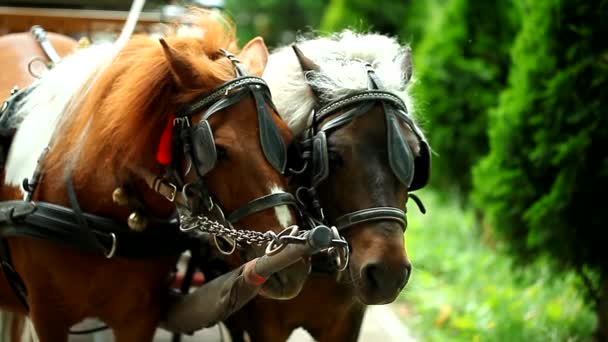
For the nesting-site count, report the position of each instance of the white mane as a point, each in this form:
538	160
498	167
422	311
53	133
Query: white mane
342	58
41	111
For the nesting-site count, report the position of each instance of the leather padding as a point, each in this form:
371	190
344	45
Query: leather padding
320	161
204	154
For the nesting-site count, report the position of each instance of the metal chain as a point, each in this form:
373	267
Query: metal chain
274	242
213	227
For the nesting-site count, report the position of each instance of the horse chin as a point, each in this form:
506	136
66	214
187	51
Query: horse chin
288	283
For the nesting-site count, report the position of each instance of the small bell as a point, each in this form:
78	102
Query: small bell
137	221
119	196
83	43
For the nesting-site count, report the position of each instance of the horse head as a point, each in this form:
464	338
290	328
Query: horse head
361	152
183	121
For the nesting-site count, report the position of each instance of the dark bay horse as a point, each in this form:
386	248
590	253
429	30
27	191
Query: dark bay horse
113	119
346	98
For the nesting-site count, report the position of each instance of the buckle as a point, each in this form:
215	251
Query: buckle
173	188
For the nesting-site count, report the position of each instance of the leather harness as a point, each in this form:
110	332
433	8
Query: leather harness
106	237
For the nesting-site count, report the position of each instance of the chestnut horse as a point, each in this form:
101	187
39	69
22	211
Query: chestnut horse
346	97
104	115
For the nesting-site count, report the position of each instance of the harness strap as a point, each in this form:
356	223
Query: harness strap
84	231
12	277
59	224
262	203
371	214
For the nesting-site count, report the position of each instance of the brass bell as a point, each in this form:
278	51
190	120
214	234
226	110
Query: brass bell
137	221
83	43
119	196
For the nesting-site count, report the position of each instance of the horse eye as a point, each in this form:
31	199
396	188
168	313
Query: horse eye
221	152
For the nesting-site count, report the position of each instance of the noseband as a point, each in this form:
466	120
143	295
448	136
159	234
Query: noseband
313	149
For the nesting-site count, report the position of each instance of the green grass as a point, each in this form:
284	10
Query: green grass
464	290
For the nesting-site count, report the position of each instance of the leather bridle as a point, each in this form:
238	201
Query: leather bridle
313	150
196	144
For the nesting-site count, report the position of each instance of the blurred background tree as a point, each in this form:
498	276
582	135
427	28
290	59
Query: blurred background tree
278	21
548	137
461	65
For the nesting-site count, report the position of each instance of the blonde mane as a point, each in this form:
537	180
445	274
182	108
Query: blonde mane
342	58
119	122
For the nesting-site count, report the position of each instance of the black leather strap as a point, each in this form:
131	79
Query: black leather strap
12	277
59	224
262	203
209	98
371	214
364	96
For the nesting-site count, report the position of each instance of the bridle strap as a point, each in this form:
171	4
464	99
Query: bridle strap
262	203
364	96
207	99
371	214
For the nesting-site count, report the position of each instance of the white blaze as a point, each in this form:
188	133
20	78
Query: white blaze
282	211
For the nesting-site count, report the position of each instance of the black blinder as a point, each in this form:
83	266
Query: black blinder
422	164
204	154
320	162
272	142
400	155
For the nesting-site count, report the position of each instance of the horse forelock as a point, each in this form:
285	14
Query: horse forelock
342	58
121	118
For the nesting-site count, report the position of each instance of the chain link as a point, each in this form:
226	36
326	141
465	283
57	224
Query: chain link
213	227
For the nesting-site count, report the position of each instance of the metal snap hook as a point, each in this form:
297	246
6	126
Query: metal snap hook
276	245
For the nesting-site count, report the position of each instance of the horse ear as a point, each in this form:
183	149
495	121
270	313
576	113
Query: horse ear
183	71
306	63
254	56
406	65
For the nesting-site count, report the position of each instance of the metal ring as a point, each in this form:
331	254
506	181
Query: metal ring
217	245
31	71
110	254
343	258
274	247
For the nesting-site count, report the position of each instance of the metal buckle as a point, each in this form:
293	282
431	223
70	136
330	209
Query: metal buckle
112	251
173	191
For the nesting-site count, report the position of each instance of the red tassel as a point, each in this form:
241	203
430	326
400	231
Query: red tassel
164	153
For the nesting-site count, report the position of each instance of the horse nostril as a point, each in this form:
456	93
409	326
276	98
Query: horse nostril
373	276
381	280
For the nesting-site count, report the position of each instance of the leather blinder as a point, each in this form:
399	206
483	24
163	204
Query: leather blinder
204	154
400	155
272	142
320	161
422	165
